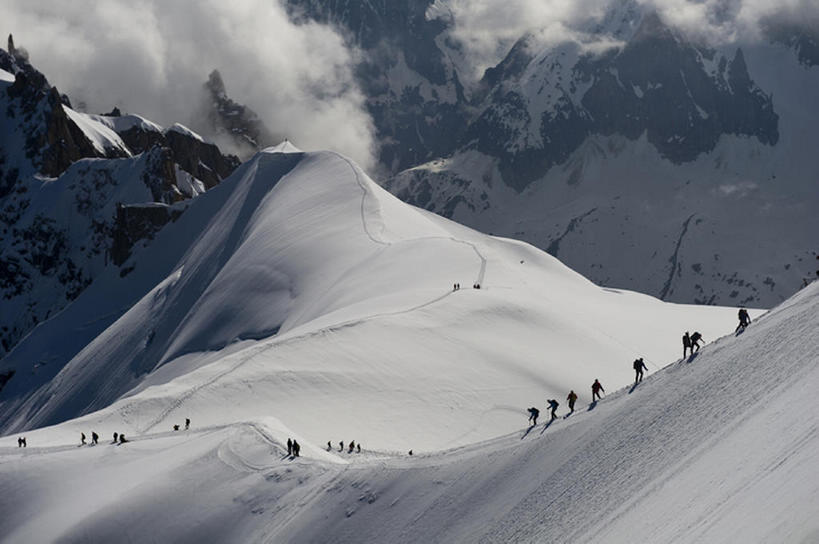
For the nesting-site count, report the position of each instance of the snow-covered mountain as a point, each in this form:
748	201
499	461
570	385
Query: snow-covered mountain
640	156
147	278
298	251
79	190
374	346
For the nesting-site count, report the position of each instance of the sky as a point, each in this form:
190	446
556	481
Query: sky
152	56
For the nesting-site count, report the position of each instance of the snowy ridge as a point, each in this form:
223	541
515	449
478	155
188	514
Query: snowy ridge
657	462
301	276
123	123
101	135
182	129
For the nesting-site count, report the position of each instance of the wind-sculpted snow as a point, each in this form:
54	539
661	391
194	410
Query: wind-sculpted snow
303	287
717	448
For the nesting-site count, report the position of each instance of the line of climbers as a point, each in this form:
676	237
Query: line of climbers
350	448
293	448
119	438
690	346
596	388
457	286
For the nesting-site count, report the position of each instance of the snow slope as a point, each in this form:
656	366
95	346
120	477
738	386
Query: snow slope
718	448
308	293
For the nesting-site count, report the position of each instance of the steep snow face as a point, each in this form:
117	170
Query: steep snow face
718	448
124	123
309	293
104	138
182	129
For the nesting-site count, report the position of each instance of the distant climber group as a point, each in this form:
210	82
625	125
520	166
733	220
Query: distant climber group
119	438
187	425
691	345
553	404
94	438
690	342
457	286
350	448
293	448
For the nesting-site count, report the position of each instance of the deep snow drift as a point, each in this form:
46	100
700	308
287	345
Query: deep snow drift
722	447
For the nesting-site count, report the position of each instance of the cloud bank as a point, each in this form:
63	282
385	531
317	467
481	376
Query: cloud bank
488	28
151	57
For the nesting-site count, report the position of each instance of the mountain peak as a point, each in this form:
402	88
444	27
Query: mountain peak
652	27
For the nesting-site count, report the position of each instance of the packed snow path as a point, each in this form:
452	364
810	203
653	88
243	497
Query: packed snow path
252	352
719	448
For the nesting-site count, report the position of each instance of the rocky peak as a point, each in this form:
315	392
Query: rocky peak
681	96
54	141
57	236
651	28
201	159
229	119
510	68
216	85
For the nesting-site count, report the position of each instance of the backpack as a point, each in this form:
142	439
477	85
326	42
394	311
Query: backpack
695	337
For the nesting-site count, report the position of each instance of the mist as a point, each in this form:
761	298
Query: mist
151	57
487	29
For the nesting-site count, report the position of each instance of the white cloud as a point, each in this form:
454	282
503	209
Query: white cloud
488	28
152	56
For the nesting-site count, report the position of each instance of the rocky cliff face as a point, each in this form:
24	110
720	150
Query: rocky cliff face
64	218
52	141
234	122
682	97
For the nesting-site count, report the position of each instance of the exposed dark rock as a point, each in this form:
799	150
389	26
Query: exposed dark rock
160	176
5	375
656	85
510	68
135	222
54	142
42	252
202	160
226	117
139	140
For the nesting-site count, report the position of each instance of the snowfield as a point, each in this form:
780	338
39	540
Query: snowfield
309	303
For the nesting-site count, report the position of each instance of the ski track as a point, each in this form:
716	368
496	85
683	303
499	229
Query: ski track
181	399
